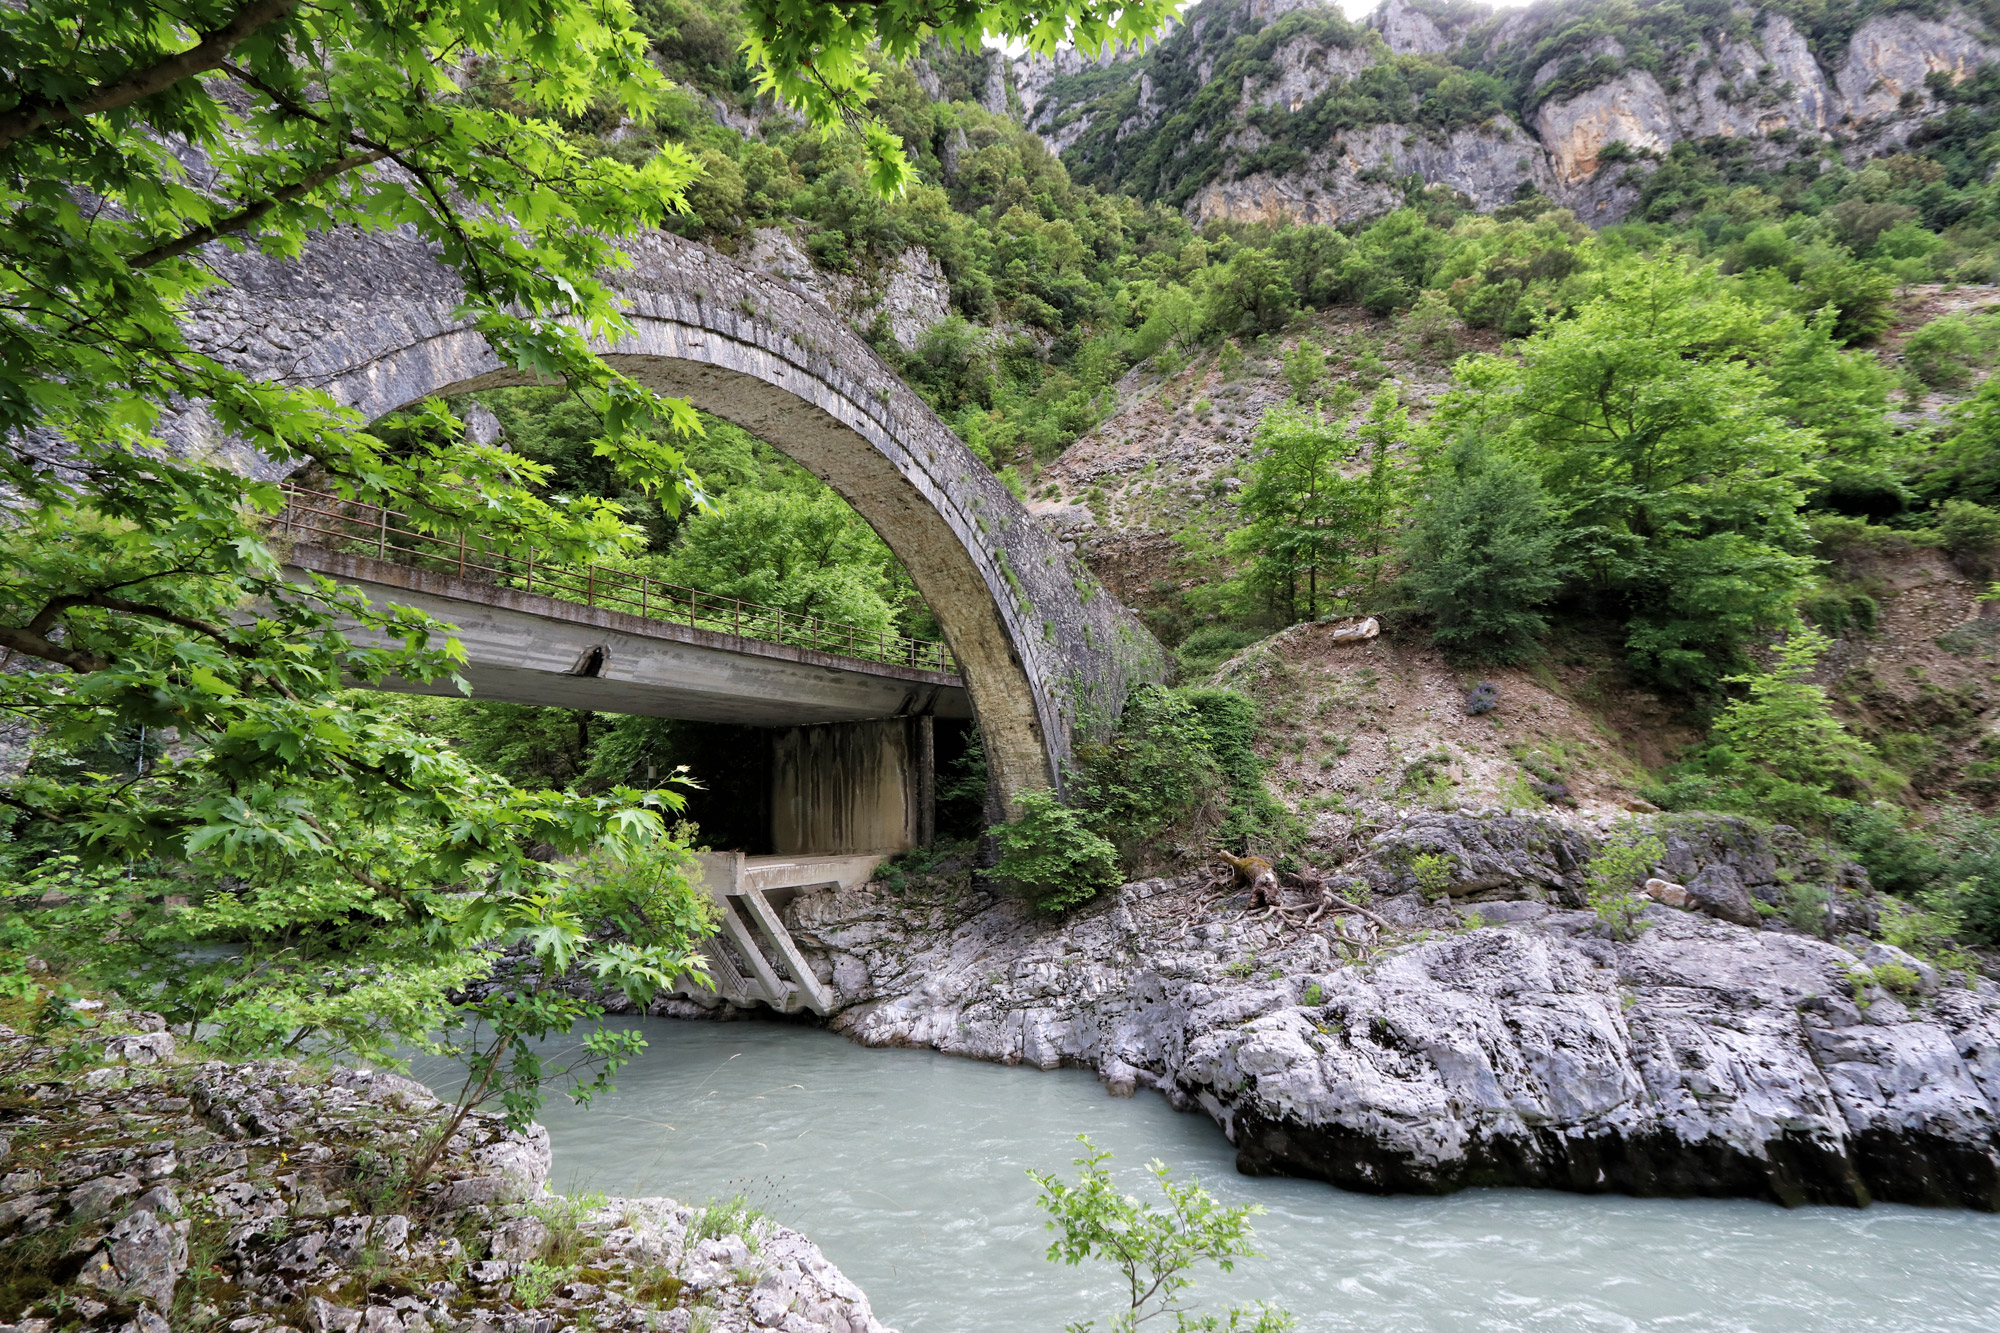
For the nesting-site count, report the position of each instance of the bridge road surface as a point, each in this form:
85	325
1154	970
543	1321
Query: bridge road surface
525	648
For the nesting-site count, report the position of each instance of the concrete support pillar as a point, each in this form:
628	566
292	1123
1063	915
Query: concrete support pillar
848	787
925	762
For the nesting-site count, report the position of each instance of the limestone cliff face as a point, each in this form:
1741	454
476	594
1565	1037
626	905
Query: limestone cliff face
1771	91
1593	115
1411	31
1057	120
1306	69
1357	177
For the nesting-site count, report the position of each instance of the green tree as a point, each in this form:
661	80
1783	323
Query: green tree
1393	261
1251	293
346	966
1842	397
1305	370
1970	532
1784	728
820	58
1052	855
1677	478
1508	274
1481	553
127	567
806	552
1155	1249
1766	247
631	925
349	865
1300	529
1946	353
1616	871
1156	773
1777	750
1859	295
1377	496
1969	465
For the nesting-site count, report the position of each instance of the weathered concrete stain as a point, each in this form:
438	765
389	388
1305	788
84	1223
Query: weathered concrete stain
373	320
850	787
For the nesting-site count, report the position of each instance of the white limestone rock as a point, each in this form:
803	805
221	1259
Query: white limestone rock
1702	1057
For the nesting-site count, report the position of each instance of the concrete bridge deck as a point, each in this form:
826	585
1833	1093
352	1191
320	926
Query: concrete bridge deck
611	640
526	648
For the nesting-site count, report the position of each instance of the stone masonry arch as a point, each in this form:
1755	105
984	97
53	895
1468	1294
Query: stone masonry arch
1045	651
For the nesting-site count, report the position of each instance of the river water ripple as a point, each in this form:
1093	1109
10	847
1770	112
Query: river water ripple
908	1168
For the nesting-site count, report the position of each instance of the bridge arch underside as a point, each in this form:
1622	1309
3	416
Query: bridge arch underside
375	321
1019	754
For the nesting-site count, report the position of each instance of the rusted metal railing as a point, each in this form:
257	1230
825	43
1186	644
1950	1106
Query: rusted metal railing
367	529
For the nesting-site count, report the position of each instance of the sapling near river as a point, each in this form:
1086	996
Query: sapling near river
1156	1248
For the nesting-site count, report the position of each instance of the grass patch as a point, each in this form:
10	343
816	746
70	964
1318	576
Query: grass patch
564	1217
730	1217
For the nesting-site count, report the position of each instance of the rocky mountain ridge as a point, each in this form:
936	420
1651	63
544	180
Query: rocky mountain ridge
1266	110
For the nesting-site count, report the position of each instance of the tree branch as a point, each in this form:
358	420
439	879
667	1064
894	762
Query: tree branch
189	623
30	644
238	221
207	54
33	639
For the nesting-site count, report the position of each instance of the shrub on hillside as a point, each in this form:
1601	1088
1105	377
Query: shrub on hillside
1970	532
1860	295
1969	464
1180	775
1253	820
1051	855
1778	751
1156	772
1481	555
1209	647
1947	869
1946	353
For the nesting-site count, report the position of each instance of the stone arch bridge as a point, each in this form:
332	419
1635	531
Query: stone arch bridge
1043	651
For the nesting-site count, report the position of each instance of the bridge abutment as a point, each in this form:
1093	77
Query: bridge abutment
853	787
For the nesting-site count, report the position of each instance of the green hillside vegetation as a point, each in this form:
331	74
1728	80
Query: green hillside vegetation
1681	431
1688	408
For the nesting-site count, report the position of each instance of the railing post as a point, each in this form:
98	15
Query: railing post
643	581
531	570
590	585
382	534
461	552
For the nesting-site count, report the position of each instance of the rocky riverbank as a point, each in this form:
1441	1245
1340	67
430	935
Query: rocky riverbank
148	1194
1493	1034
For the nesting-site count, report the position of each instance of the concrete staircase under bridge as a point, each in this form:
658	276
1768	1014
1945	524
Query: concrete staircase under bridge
753	958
